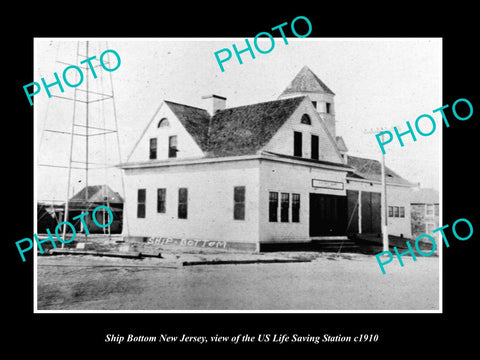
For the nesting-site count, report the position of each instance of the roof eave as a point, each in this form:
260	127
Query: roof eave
363	179
265	155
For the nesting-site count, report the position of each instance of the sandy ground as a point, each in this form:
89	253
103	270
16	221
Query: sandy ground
327	282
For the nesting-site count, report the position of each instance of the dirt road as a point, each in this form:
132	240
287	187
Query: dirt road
349	282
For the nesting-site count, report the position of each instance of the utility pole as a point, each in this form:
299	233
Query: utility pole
384	206
384	214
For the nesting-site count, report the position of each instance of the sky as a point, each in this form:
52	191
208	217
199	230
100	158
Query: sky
378	82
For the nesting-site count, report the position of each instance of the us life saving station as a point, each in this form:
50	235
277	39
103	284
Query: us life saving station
243	177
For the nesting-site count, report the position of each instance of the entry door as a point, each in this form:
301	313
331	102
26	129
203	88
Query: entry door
371	212
328	215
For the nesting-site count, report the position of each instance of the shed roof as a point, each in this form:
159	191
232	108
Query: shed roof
370	169
307	81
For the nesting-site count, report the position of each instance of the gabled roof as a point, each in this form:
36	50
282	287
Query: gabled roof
97	194
369	169
195	120
307	81
424	196
246	129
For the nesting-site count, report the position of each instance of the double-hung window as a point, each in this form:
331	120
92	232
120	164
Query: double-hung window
172	146
141	200
161	200
182	203
273	206
239	203
284	205
295	207
153	148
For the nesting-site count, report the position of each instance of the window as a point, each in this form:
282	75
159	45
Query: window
396	211
141	198
314	104
328	107
314	146
437	209
297	143
296	208
163	123
429	209
153	148
161	200
239	203
306	119
284	205
182	203
273	207
172	146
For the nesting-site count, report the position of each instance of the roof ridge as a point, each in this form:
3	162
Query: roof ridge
262	103
236	107
176	103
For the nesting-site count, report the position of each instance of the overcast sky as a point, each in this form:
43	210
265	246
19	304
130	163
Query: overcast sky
377	82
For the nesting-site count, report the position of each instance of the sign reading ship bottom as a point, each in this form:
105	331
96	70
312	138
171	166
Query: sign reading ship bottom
187	242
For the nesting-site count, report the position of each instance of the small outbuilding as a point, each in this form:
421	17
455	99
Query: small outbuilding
425	209
88	199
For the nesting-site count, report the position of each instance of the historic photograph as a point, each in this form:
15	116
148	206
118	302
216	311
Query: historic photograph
209	175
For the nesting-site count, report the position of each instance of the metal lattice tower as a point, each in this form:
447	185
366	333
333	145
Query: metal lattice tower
93	122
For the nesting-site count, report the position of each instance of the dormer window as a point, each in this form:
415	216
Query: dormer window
163	123
306	119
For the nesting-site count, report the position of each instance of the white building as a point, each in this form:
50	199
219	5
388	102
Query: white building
251	175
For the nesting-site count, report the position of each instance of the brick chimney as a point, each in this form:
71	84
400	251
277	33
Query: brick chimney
214	103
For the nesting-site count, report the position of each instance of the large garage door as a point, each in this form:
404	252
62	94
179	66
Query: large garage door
371	212
328	215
